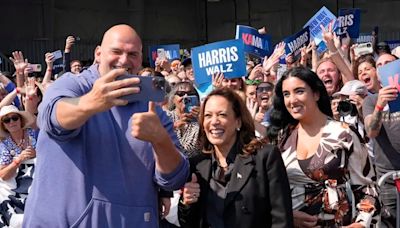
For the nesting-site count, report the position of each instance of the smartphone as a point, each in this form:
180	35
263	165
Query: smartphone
363	49
35	67
57	54
161	53
190	102
151	88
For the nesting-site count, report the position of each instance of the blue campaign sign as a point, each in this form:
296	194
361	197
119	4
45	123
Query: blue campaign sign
254	42
349	21
393	43
297	41
322	17
224	56
389	74
171	52
364	38
321	48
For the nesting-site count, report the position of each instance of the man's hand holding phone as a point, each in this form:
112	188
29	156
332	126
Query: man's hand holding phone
107	91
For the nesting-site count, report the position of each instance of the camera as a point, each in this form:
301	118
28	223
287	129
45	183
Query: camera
345	108
363	49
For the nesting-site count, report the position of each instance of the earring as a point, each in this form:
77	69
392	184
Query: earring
238	129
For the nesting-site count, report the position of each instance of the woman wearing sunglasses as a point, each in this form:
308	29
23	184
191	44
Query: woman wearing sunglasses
17	158
184	109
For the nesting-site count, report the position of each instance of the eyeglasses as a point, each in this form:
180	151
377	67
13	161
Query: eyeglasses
264	89
183	93
8	119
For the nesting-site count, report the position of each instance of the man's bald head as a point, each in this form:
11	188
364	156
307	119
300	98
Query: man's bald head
122	32
121	47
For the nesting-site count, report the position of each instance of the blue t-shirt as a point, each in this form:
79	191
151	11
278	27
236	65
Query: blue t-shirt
97	175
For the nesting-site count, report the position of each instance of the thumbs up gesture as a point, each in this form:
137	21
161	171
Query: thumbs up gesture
147	126
191	191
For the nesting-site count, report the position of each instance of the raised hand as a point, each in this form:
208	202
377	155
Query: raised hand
346	41
257	73
327	33
19	62
31	88
49	58
252	106
217	79
279	51
386	94
68	44
191	191
106	91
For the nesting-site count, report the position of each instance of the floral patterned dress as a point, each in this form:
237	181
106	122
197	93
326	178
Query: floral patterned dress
337	182
13	192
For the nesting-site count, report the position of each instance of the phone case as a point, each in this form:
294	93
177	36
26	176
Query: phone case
190	102
57	54
151	89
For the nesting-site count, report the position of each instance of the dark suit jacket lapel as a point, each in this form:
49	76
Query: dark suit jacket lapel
240	175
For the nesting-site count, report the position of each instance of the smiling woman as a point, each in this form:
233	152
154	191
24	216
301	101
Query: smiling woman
237	180
320	155
17	161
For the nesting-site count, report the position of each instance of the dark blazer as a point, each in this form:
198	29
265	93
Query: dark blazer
258	193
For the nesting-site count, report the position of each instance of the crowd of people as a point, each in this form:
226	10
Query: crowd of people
302	149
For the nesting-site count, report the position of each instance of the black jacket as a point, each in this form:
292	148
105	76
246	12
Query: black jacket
258	194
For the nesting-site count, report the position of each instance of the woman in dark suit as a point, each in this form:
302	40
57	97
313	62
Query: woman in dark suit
237	180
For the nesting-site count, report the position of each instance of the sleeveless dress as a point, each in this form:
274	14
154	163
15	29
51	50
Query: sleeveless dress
13	192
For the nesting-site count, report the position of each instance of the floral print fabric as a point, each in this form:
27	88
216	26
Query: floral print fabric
336	182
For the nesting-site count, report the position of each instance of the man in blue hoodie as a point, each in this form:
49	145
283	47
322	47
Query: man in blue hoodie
100	159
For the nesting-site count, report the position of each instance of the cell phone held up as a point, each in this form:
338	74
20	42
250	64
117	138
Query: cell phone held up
151	89
35	67
190	102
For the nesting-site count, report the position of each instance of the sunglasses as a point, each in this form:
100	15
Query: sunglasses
264	89
8	119
183	93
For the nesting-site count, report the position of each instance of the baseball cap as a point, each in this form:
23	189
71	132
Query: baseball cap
353	87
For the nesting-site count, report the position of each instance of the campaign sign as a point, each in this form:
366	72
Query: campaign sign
224	56
393	43
297	41
171	52
254	42
322	17
364	38
389	74
349	21
321	48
